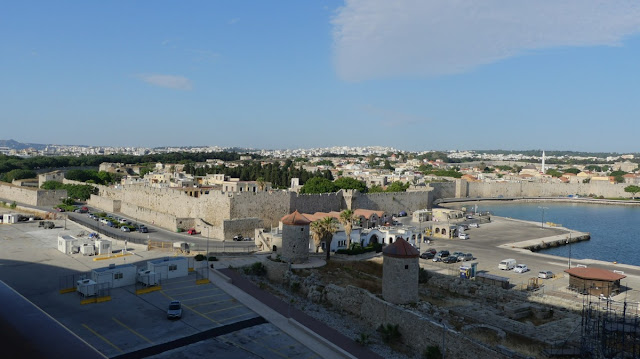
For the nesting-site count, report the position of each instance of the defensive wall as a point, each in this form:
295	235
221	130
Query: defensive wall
443	190
537	189
418	332
391	202
31	196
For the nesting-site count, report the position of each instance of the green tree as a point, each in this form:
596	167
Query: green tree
327	227
18	174
554	173
350	183
397	186
318	185
346	219
375	189
572	170
633	189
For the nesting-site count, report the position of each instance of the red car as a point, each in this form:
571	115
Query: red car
192	231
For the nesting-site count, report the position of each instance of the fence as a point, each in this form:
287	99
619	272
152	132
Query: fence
101	229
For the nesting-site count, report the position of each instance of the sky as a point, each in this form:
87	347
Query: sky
411	74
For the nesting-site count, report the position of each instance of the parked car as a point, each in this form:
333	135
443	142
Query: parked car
142	229
474	225
463	236
450	259
59	209
431	250
239	237
175	310
402	214
545	274
440	255
507	264
521	268
457	254
125	229
427	255
192	231
465	257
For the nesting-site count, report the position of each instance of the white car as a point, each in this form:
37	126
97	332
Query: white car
521	268
545	274
463	236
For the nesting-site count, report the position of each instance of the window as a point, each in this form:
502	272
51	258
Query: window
406	266
117	276
173	267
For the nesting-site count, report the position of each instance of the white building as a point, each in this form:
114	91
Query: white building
167	268
116	276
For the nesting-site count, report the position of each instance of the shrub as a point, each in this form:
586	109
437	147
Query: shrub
432	352
295	287
363	339
423	276
213	259
256	269
390	333
199	257
14	205
359	249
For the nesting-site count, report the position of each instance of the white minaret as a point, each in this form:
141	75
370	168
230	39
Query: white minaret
543	169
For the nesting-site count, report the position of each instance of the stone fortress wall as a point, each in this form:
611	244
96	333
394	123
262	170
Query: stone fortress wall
31	196
538	189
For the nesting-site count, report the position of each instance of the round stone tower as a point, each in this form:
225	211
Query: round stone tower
400	268
295	238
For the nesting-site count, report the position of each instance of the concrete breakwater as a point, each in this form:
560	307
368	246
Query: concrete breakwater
567	237
552	242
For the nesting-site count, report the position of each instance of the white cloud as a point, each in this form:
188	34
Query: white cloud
168	81
382	38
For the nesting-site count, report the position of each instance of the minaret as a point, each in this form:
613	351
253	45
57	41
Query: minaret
543	169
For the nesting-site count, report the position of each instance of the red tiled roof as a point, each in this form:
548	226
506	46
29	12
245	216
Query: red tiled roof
595	274
400	249
366	213
295	219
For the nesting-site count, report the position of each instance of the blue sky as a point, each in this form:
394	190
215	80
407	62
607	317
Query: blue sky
411	74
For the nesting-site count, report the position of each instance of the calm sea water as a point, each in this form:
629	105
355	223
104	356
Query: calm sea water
614	229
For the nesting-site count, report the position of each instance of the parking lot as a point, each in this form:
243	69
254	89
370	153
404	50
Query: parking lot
212	320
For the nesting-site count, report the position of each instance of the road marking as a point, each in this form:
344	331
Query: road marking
206	296
237	316
214	302
101	337
132	331
224	309
191	309
197	291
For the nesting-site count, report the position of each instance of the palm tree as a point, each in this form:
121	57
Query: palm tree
316	234
323	230
261	183
346	218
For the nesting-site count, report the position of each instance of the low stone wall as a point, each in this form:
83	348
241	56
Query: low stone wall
31	196
418	332
276	270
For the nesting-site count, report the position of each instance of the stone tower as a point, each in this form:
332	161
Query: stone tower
295	238
400	268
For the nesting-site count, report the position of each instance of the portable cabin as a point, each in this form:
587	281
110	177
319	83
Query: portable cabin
148	278
86	287
173	267
67	243
10	218
103	246
87	249
118	276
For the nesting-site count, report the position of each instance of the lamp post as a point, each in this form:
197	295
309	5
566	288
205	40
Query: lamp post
569	243
542	219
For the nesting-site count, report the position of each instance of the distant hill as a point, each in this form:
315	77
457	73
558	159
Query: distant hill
13	144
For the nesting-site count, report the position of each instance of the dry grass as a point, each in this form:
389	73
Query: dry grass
363	274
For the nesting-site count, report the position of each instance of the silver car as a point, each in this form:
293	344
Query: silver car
175	310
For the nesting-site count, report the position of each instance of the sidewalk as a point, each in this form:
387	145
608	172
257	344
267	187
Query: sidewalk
323	340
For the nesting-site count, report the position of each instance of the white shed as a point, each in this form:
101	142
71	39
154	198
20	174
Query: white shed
10	218
118	276
148	278
66	243
103	246
173	267
86	287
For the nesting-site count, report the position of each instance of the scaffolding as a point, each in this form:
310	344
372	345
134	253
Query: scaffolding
610	329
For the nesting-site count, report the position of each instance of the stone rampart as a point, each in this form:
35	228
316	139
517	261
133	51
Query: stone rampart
443	189
418	331
537	189
244	226
31	196
269	207
105	204
148	215
392	202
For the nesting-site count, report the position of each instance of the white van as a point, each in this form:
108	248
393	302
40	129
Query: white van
507	264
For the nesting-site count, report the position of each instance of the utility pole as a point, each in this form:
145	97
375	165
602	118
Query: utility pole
569	243
542	219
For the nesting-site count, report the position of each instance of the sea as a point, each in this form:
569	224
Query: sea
614	229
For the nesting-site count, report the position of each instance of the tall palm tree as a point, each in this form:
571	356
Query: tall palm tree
346	218
316	234
322	231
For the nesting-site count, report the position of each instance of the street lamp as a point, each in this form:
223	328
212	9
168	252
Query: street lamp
542	220
569	243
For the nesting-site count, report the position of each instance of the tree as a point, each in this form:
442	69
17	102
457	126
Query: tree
350	183
18	174
346	218
633	189
397	187
572	170
554	173
375	189
323	229
316	234
318	185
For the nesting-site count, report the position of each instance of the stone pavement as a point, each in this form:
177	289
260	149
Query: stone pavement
317	336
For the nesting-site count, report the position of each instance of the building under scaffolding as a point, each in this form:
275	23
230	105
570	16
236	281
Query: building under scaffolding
610	329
